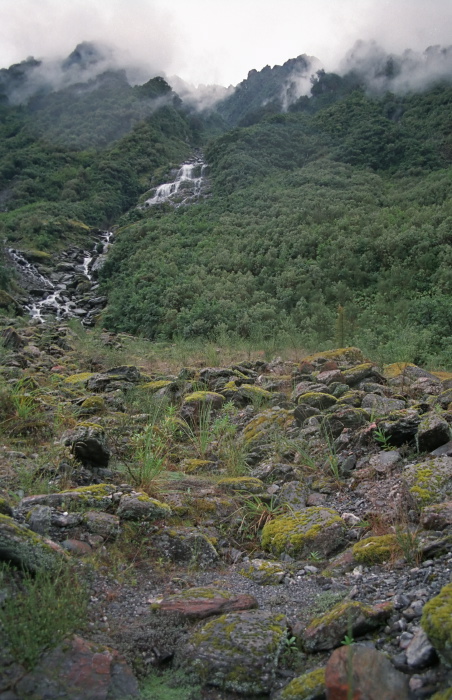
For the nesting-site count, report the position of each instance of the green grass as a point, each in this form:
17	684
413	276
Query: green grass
48	607
169	685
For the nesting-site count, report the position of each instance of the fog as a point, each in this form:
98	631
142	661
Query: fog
217	42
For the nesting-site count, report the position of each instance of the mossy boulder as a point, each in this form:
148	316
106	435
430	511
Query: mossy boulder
186	546
140	506
436	622
433	431
317	399
343	418
357	374
327	631
430	481
349	355
265	424
313	529
26	549
92	405
237	652
400	427
204	398
98	496
5	507
374	550
8	303
104	524
381	405
264	572
352	397
80	378
247	484
153	387
309	686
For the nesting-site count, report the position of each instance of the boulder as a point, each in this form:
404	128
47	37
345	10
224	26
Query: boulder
381	405
79	670
430	481
433	431
352	618
264	572
88	444
186	546
140	506
360	671
313	529
237	652
199	603
309	686
436	622
27	549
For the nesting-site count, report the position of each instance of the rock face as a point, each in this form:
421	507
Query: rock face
237	652
362	672
88	443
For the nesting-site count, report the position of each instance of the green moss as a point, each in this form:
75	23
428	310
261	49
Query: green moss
340	611
297	533
152	387
204	397
317	399
94	402
374	550
309	685
255	391
436	621
443	695
242	483
5	508
265	423
191	466
78	378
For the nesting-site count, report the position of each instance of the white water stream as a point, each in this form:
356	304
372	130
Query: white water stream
188	182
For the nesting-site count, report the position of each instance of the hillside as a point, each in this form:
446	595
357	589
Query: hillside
225	383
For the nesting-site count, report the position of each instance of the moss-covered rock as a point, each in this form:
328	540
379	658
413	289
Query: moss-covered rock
263	426
153	387
357	374
436	621
5	507
317	399
92	405
98	496
341	355
309	686
264	572
27	549
140	506
327	631
433	431
201	398
374	550
202	602
80	378
247	484
343	417
313	529
430	481
186	546
237	652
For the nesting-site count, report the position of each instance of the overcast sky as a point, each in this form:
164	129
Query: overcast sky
218	41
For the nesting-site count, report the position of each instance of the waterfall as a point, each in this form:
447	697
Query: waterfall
185	187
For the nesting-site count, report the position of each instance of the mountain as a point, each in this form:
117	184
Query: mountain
329	205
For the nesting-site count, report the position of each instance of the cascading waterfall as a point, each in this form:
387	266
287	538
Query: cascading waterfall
71	289
185	187
59	297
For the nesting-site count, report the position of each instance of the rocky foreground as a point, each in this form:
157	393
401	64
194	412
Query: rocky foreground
268	529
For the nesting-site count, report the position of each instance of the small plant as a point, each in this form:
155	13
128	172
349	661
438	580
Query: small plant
382	439
315	556
256	513
348	640
48	607
409	544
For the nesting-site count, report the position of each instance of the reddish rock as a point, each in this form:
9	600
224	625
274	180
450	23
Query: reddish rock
368	672
77	547
329	376
199	603
80	670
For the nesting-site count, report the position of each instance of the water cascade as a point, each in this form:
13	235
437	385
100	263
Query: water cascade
185	188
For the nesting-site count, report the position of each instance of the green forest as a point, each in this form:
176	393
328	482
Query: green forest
328	223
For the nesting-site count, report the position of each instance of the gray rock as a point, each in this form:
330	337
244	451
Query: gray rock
433	431
139	506
380	405
186	545
27	549
40	520
237	652
419	651
88	443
